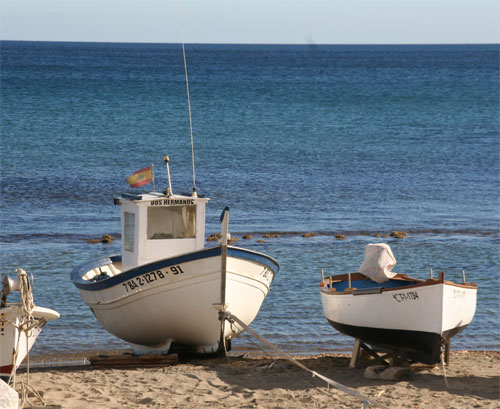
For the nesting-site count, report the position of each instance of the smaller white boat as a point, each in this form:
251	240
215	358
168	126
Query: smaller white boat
414	318
20	323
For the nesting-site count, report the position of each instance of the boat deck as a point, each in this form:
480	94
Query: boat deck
103	272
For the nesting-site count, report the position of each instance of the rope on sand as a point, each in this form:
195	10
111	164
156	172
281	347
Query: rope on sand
444	371
366	401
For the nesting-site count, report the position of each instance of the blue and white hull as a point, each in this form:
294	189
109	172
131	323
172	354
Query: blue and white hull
177	298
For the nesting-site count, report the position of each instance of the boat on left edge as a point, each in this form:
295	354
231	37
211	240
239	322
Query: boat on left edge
20	323
166	286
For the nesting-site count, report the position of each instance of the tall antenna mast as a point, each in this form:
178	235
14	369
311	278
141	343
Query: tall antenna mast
189	104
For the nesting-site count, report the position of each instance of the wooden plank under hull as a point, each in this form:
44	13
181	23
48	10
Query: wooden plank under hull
130	360
417	346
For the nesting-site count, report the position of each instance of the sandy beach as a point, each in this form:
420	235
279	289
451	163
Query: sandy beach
241	381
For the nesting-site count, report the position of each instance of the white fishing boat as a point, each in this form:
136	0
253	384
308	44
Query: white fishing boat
413	317
20	323
166	285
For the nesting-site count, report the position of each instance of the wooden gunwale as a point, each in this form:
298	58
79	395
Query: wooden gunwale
399	277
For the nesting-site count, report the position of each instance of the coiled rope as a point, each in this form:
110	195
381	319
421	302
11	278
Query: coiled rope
25	326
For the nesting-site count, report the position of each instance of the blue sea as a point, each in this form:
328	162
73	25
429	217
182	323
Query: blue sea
294	139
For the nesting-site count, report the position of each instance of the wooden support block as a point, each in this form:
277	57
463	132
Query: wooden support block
447	352
129	360
355	353
393	373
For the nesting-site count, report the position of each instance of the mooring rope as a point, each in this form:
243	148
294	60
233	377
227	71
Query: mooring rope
285	368
444	370
366	400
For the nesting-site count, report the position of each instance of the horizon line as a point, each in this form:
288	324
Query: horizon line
244	43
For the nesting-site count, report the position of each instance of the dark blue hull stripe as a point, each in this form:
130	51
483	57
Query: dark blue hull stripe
81	270
244	254
417	346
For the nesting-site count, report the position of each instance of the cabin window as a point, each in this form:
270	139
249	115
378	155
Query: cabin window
129	229
172	222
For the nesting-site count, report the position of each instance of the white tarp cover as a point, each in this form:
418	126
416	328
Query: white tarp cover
378	262
9	399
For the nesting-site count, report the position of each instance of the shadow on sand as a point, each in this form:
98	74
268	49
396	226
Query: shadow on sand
267	374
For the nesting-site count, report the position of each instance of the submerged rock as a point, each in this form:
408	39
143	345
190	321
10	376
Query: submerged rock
106	238
271	235
398	234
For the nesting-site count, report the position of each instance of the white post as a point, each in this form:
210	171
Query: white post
153	173
224	220
166	159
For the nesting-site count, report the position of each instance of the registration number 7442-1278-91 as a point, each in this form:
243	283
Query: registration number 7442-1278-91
151	277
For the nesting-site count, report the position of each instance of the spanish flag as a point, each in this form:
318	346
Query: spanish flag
141	177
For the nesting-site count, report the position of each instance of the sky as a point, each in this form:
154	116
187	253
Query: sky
253	21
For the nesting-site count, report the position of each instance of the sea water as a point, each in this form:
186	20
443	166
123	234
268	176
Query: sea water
351	140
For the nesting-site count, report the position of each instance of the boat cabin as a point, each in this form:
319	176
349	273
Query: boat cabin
157	226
